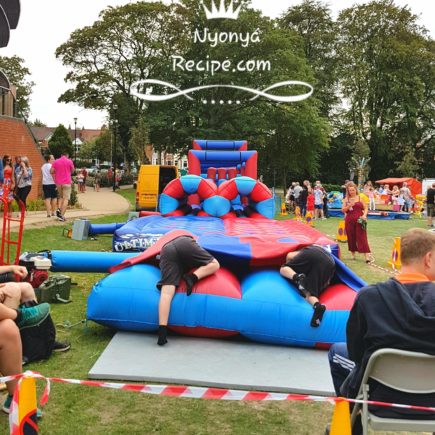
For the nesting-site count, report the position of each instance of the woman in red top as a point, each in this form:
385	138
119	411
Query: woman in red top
356	210
8	172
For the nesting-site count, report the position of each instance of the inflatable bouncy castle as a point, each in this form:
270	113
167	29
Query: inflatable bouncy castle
230	213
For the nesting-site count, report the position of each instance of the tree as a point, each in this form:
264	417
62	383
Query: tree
19	76
312	20
60	142
139	139
101	148
136	41
37	123
126	44
387	75
359	162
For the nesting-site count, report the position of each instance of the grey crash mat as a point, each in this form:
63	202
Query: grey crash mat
215	363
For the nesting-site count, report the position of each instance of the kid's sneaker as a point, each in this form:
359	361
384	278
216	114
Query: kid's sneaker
7	407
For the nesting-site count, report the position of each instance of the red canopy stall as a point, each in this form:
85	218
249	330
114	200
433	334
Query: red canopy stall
414	185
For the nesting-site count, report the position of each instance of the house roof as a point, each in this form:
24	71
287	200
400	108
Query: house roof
87	135
42	133
83	135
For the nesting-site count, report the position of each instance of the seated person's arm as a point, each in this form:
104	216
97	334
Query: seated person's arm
21	271
355	332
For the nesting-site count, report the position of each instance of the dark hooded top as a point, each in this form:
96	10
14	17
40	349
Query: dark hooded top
394	315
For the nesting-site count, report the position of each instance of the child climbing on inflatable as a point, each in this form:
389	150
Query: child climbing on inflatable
311	269
177	257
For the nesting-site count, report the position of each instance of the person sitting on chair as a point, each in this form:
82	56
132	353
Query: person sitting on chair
398	313
21	296
311	269
11	321
177	257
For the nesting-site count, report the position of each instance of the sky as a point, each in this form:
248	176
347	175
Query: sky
46	24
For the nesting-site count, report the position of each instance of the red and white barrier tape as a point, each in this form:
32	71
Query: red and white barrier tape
189	392
393	272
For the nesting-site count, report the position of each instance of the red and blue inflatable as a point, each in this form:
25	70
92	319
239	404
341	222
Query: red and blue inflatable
247	296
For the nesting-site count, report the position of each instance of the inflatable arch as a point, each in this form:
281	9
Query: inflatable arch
220	145
177	192
244	161
258	195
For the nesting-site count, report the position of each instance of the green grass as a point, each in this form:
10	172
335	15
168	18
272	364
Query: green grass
87	410
129	195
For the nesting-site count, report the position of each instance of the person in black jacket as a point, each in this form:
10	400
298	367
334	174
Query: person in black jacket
398	313
430	203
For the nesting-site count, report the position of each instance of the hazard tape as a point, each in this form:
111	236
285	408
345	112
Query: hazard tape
190	392
383	269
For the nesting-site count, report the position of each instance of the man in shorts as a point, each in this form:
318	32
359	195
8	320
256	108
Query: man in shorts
49	186
62	170
311	270
177	257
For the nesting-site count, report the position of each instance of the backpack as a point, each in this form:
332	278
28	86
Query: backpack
38	341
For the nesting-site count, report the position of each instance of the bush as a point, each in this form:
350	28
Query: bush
105	182
32	205
73	199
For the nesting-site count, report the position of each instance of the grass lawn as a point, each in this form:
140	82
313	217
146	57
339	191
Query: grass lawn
87	410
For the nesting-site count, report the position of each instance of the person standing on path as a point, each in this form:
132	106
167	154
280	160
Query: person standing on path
97	180
62	170
356	223
23	175
49	186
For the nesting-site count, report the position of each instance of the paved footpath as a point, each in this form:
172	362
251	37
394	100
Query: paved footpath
104	202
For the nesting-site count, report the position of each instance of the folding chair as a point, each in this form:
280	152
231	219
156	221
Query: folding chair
409	372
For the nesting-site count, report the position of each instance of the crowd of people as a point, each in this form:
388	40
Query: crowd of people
16	176
308	198
399	197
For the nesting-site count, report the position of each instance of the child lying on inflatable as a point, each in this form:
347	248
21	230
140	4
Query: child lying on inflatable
311	269
177	257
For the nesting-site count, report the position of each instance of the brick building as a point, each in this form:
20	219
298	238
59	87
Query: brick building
17	140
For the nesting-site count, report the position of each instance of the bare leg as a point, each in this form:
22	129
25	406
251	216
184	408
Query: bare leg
27	292
53	206
10	351
287	272
63	206
12	295
208	269
311	299
47	206
166	296
200	273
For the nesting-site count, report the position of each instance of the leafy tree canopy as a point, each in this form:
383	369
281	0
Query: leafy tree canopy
19	76
60	142
372	69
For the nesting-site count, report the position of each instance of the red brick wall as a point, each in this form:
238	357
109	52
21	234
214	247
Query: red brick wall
16	140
